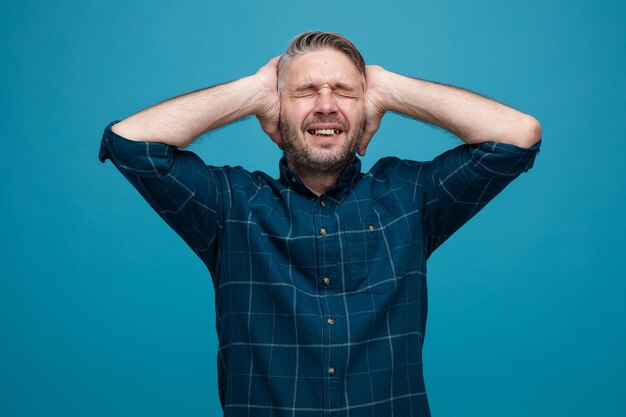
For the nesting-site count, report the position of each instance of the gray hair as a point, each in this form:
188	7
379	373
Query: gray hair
316	40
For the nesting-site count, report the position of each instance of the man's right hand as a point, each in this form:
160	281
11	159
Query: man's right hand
269	112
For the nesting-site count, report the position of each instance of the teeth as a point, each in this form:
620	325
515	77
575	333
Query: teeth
325	132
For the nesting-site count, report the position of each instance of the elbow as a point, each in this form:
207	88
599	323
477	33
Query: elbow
535	132
529	132
524	132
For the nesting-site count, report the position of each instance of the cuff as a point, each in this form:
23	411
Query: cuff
498	159
148	159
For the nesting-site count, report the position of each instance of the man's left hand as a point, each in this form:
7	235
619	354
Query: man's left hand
374	108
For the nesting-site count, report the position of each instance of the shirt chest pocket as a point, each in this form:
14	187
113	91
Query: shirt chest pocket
368	262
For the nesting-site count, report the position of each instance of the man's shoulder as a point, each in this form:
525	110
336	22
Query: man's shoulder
392	166
239	176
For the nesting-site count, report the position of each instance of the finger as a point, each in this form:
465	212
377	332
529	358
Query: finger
365	140
274	61
274	134
277	139
371	127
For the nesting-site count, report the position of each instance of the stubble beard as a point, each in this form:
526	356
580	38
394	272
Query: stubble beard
305	161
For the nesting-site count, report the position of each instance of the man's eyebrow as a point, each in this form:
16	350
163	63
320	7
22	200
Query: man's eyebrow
309	86
344	86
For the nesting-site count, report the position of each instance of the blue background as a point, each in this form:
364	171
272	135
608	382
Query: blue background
105	312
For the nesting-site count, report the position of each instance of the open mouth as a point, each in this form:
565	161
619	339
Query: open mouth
325	132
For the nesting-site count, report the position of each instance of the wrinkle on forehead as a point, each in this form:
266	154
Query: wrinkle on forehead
315	73
318	81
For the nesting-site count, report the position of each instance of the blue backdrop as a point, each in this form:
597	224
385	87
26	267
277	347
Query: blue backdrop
105	312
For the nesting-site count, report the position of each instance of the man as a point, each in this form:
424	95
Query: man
320	275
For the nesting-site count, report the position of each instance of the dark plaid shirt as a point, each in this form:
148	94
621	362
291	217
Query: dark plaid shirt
320	301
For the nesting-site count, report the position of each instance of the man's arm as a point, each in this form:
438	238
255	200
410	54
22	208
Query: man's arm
471	117
180	120
188	194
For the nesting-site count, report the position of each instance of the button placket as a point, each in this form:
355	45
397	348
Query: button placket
329	280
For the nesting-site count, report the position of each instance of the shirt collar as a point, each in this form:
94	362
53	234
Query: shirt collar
347	180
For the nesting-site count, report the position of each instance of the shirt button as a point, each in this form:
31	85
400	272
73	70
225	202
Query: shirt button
322	232
331	321
331	371
325	280
322	203
293	179
371	228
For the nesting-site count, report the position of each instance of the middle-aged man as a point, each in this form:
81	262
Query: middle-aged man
320	275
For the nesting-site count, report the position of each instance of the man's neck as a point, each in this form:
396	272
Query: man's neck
320	183
317	179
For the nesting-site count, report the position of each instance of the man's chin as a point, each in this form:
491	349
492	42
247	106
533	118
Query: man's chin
320	158
321	162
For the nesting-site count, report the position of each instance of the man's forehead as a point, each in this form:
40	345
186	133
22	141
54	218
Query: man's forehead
326	66
317	81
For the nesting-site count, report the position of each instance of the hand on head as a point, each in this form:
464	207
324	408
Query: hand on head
269	113
374	109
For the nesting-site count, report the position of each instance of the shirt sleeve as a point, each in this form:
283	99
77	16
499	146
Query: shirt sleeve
461	181
177	184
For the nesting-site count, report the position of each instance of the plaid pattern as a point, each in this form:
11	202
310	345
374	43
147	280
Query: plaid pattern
320	301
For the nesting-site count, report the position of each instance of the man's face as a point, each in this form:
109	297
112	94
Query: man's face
322	111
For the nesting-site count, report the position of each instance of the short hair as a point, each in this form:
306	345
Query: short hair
316	40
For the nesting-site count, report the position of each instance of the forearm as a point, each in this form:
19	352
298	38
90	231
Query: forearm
182	119
471	117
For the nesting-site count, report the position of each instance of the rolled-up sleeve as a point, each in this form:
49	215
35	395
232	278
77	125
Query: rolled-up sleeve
460	182
177	184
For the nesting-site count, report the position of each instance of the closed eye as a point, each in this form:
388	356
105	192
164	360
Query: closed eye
347	94
345	90
339	90
302	94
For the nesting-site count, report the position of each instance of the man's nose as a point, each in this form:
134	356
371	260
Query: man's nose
325	102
